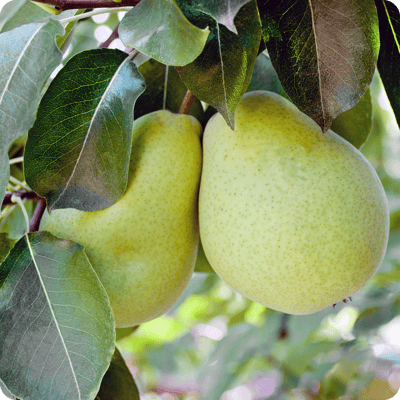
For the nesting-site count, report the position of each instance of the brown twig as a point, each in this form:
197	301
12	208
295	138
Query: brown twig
20	193
186	103
114	35
76	4
37	215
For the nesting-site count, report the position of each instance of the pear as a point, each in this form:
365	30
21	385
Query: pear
144	246
291	218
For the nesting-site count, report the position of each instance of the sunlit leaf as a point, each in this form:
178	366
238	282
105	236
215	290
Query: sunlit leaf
28	55
78	150
158	29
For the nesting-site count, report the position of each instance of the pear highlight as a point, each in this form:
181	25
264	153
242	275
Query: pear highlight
291	218
144	246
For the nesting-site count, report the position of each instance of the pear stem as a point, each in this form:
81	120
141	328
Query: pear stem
186	103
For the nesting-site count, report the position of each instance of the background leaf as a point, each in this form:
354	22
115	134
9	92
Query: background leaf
118	383
222	72
56	322
325	63
355	124
22	50
78	150
389	54
158	29
151	99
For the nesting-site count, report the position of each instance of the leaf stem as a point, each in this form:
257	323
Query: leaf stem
91	13
186	103
18	200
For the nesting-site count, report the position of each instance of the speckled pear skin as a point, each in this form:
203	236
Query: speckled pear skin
291	218
144	246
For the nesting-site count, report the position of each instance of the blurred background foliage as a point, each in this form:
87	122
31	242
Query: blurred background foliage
215	344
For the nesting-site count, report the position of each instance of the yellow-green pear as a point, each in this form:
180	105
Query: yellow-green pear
144	246
289	217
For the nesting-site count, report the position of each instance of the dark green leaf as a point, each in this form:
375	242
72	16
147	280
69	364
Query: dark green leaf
77	153
223	12
120	333
118	383
152	98
56	323
355	124
6	244
324	52
389	54
158	29
28	55
222	72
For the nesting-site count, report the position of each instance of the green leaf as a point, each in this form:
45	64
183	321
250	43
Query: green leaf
77	153
222	73
20	12
389	54
324	52
118	383
355	124
14	224
22	51
152	98
56	323
120	333
202	264
158	29
6	244
264	76
223	12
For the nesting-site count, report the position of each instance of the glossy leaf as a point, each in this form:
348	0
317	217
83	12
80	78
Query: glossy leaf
118	383
152	98
389	54
158	29
223	12
355	124
56	324
324	52
22	51
221	74
78	150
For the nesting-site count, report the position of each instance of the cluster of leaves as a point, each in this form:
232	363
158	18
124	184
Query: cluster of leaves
74	130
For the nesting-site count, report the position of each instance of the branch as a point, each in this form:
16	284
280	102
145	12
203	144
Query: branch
20	193
76	4
114	35
37	215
